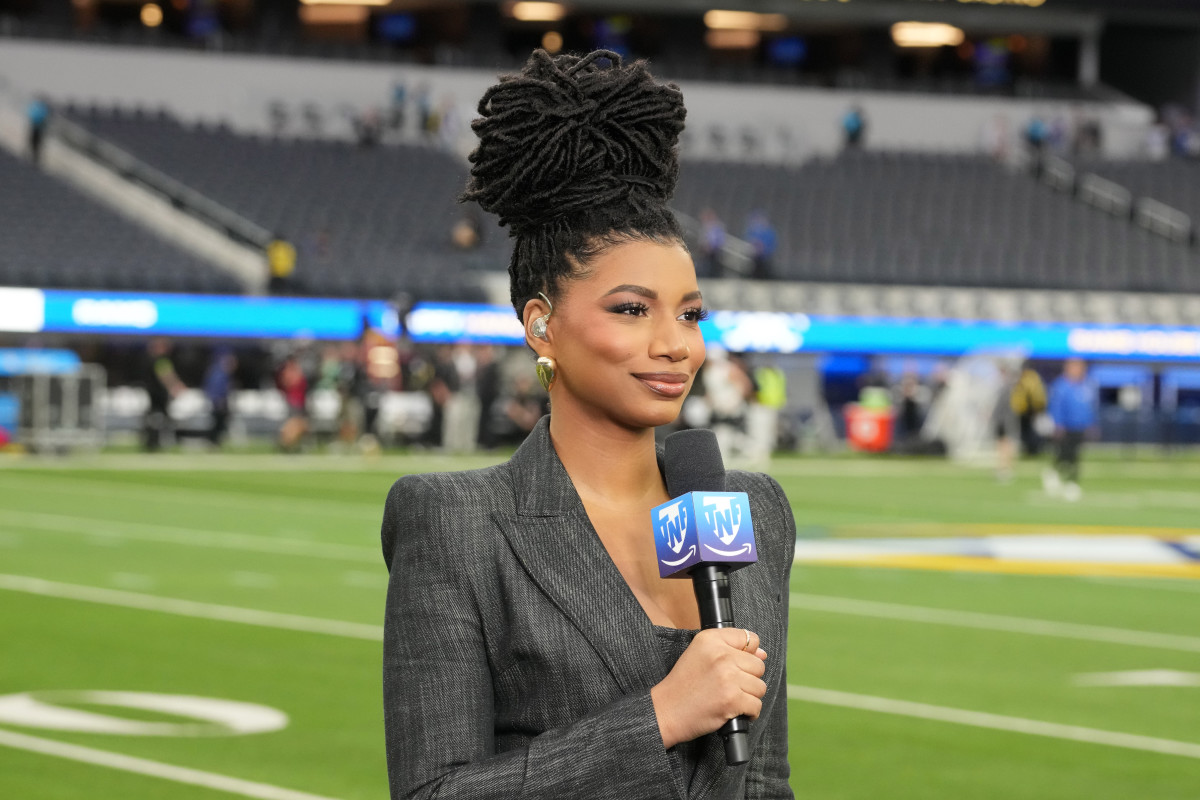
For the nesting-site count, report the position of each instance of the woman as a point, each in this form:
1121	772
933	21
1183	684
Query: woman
530	648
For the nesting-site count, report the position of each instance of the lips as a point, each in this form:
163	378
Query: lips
666	384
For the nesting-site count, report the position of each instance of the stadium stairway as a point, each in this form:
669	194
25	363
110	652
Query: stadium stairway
205	258
57	237
366	221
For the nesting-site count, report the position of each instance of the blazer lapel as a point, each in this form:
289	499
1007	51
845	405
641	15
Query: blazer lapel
556	543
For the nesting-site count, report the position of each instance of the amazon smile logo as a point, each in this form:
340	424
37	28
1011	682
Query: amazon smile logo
672	529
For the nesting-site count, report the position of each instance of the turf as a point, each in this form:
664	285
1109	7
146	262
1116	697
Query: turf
300	536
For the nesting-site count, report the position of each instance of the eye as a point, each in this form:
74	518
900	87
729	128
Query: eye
694	315
631	309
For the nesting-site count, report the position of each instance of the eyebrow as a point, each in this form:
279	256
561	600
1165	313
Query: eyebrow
649	294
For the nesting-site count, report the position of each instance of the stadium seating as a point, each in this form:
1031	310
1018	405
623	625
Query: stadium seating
372	221
366	221
55	237
949	220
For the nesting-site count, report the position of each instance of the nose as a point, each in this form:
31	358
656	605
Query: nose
670	342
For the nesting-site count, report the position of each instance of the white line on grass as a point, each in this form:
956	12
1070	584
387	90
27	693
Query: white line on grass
157	769
839	605
66	484
995	622
255	463
61	523
270	619
980	719
190	608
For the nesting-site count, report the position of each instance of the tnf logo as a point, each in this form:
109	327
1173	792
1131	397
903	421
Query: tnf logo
723	517
672	527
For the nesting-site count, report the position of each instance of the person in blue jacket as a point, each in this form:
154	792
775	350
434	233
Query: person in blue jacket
1074	402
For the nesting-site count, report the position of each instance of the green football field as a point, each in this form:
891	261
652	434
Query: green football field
258	579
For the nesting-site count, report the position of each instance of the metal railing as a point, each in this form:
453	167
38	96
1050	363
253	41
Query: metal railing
182	197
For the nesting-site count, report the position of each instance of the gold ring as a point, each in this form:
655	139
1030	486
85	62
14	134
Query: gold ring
747	644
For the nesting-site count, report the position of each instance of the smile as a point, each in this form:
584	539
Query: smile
666	384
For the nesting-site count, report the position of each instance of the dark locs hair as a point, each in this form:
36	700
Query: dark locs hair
576	154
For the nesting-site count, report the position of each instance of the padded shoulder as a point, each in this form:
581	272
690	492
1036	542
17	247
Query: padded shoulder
425	509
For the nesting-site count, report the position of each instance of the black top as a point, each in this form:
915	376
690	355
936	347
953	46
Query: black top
672	642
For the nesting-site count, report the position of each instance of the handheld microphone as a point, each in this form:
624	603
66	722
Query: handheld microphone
705	533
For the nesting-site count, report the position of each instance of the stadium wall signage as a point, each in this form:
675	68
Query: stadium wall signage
220	316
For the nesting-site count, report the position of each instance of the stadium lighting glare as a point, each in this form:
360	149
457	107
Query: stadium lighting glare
926	34
1028	3
326	14
744	21
537	11
152	15
552	42
345	2
732	40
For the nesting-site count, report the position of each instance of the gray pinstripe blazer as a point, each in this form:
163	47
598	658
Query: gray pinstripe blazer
518	664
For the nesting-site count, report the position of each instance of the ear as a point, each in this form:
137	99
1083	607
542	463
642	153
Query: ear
535	308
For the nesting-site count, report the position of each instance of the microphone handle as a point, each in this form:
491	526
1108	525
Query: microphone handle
711	584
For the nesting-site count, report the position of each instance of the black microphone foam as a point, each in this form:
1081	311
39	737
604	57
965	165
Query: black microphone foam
693	463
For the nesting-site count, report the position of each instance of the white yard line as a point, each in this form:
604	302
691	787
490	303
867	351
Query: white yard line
157	769
809	602
995	622
67	485
190	608
195	537
393	464
270	619
980	719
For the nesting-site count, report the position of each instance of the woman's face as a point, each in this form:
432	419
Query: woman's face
626	338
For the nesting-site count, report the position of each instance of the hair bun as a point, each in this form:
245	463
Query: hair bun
570	134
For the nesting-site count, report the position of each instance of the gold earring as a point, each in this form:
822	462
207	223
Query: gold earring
545	371
538	328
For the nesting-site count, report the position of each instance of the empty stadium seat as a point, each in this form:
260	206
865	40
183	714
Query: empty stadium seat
953	220
52	236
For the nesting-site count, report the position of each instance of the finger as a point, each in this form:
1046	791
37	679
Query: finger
740	638
752	665
751	707
746	664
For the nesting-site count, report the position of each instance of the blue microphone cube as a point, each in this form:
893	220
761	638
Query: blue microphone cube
703	528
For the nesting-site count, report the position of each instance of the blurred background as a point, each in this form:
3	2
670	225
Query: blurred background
955	280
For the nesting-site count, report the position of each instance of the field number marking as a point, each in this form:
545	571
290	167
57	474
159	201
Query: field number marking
157	769
998	722
994	622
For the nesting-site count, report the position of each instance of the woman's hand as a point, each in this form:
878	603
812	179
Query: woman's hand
717	678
